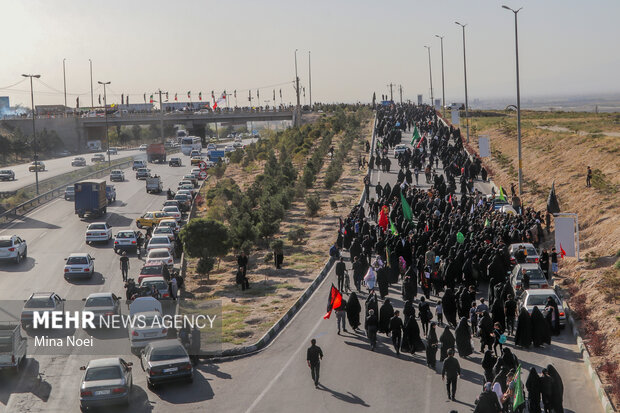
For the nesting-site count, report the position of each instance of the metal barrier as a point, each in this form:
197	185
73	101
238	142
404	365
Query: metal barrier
31	204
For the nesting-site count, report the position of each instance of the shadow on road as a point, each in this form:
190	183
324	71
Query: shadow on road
30	223
118	221
348	397
214	370
96	279
29	380
181	393
24	266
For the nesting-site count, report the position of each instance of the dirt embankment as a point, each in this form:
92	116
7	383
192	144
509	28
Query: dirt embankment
561	152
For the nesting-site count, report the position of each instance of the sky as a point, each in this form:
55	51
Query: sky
566	47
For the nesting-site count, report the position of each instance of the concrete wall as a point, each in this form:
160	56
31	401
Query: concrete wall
67	129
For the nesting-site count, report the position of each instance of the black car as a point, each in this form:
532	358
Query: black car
175	162
7	175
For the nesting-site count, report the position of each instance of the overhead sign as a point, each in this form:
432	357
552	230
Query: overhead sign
203	174
484	147
202	165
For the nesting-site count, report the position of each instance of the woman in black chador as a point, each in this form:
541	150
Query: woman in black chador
463	338
523	336
540	329
353	311
533	391
447	342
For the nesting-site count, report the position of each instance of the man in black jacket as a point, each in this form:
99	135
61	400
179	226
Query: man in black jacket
396	328
340	269
314	357
451	371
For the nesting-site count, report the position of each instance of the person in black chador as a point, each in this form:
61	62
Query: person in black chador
488	362
411	336
533	391
552	315
463	338
523	336
448	302
557	396
382	281
431	347
447	342
385	315
353	311
540	328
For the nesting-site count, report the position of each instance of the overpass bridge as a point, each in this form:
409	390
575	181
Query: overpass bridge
76	131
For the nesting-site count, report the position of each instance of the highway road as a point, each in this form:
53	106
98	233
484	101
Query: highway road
276	379
53	167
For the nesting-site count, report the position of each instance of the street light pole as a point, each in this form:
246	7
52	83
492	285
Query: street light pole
443	87
309	80
161	112
92	97
34	133
518	101
465	70
430	73
105	111
64	79
297	120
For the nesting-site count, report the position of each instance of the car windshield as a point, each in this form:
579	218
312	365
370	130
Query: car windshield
77	260
168	353
70	189
170	209
159	241
540	300
151	270
160	285
159	254
102	373
99	302
4	171
96	226
40	303
125	235
116	172
535	274
6	243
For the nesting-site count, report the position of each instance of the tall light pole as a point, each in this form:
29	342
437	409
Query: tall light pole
161	113
34	132
465	70
518	100
430	73
298	121
92	97
105	111
309	80
443	87
64	79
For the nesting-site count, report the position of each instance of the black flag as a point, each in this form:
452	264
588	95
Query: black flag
122	99
127	100
552	202
145	98
77	102
100	99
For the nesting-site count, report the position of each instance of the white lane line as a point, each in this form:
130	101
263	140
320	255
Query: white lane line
285	367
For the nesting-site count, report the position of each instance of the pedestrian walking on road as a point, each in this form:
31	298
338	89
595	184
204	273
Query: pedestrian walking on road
431	347
488	402
124	265
450	372
510	311
340	270
372	324
341	316
314	355
396	329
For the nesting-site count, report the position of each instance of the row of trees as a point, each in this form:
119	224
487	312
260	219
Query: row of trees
18	146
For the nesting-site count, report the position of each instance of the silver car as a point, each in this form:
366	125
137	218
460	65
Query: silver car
103	306
105	382
166	360
538	298
536	274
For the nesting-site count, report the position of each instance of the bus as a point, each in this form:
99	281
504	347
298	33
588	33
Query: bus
191	143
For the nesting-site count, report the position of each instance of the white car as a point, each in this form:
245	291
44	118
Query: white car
166	231
79	264
399	149
142	147
211	147
169	223
160	255
174	212
187	186
102	305
538	298
13	248
143	333
185	192
196	173
98	232
126	239
160	241
229	148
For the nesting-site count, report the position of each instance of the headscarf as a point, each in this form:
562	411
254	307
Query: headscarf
370	278
497	389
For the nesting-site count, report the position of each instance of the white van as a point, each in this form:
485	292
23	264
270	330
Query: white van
138	164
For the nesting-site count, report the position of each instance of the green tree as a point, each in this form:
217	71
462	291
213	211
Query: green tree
205	237
242	230
136	133
205	266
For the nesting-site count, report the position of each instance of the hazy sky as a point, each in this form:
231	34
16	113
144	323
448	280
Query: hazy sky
358	46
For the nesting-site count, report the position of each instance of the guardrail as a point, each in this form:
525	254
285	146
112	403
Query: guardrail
31	204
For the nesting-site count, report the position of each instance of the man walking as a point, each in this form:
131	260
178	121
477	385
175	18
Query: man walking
341	316
124	265
372	325
314	357
340	270
510	310
450	372
396	328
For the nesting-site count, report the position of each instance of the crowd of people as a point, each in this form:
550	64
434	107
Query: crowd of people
441	245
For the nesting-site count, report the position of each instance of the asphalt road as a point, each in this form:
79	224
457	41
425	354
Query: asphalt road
53	167
275	380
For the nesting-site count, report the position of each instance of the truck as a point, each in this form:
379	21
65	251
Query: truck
154	184
90	198
156	152
12	347
215	156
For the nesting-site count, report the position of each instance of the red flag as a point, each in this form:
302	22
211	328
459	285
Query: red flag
334	301
420	141
175	97
426	228
562	252
383	218
450	199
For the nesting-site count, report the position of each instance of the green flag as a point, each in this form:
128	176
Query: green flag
393	228
486	222
519	397
502	196
407	213
416	135
387	256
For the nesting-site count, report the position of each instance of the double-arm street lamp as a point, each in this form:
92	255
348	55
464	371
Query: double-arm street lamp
105	111
465	70
34	133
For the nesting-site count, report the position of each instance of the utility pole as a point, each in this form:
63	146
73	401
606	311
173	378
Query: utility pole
465	70
430	74
309	80
443	87
34	132
391	94
298	109
92	97
161	112
105	111
64	78
400	88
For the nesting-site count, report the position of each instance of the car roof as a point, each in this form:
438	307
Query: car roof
97	223
542	291
153	264
6	237
528	266
524	244
160	249
107	362
39	295
164	343
126	230
160	237
98	295
78	254
155	278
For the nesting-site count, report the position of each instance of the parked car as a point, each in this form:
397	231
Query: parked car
161	285
112	151
12	247
165	231
536	274
36	166
166	360
211	147
7	175
151	219
143	147
79	264
169	223
98	232
103	306
154	269
78	161
195	160
196	173
143	173
530	253
138	164
117	175
98	157
70	193
174	212
187	186
40	302
160	241
191	178
171	202
150	310
161	255
13	347
175	162
531	298
185	201
105	382
126	240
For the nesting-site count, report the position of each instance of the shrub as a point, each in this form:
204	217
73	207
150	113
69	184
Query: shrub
268	257
205	266
277	245
597	343
333	204
579	307
202	237
313	204
236	156
297	235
